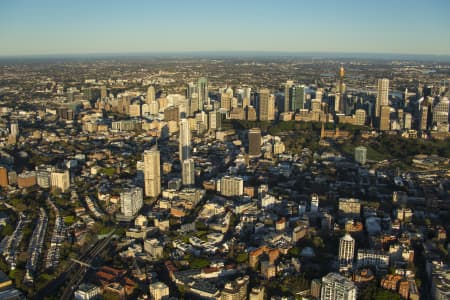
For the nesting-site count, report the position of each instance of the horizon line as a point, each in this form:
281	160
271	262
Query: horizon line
322	54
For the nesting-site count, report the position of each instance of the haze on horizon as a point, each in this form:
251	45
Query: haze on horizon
349	26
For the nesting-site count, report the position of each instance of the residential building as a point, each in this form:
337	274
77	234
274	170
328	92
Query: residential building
337	287
152	172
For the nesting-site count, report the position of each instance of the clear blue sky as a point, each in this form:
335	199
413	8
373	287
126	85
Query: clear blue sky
109	26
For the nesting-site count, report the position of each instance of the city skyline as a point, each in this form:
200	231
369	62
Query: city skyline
52	28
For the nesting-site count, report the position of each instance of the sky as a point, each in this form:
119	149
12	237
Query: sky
46	27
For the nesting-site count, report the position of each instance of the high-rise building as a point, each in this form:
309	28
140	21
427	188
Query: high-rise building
314	203
215	120
346	252
172	113
266	105
360	117
287	96
3	177
254	142
131	201
298	97
246	97
202	92
225	101
159	290
361	154
184	140
424	110
231	186
339	104
440	111
103	92
235	290
187	171
408	121
152	172
382	95
257	293
151	94
60	179
191	89
14	128
337	287
385	117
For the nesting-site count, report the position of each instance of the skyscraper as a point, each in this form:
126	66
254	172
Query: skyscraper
266	105
152	172
440	111
424	112
254	142
187	170
346	252
385	117
14	128
297	97
202	92
246	97
382	95
287	95
341	90
337	287
185	140
151	94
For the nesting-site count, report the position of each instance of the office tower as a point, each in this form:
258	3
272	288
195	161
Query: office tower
319	94
314	203
203	92
346	252
337	287
187	171
423	116
191	89
60	180
225	101
215	120
151	94
361	154
184	140
153	108
152	172
266	105
246	97
408	121
131	201
298	97
14	128
254	142
382	95
385	117
231	186
287	95
316	105
339	105
159	290
3	177
440	111
360	117
194	104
